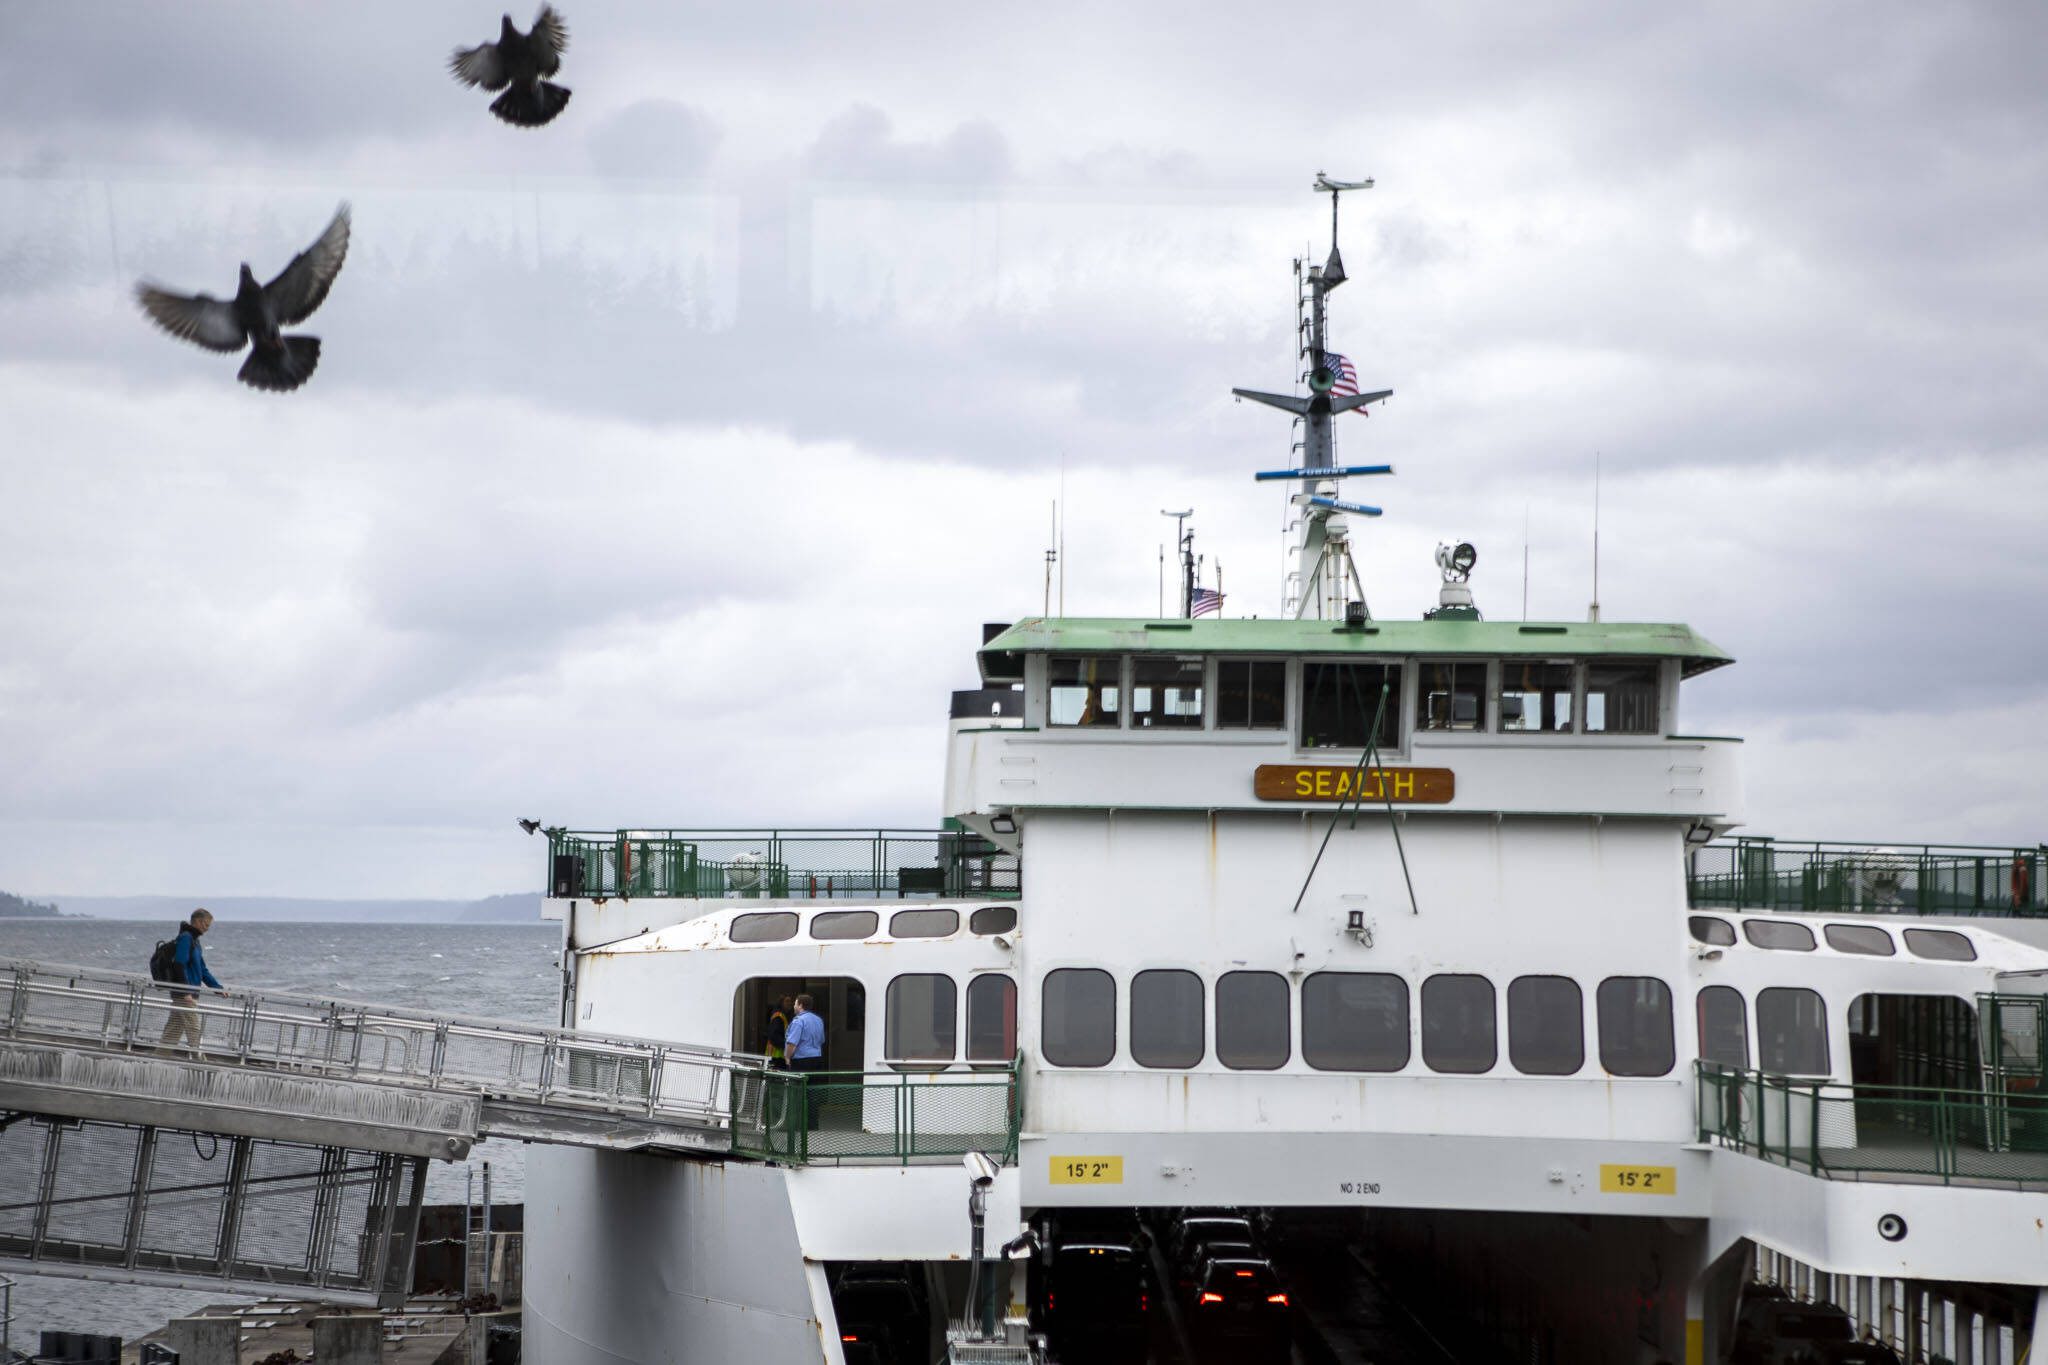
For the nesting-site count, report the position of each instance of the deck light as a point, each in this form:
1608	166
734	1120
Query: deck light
530	826
1003	824
1354	614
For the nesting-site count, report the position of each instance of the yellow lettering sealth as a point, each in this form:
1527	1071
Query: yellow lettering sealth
1304	784
1404	786
1322	782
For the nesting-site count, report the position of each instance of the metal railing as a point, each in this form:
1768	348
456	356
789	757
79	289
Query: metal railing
1834	878
1847	1131
882	1115
593	1073
777	863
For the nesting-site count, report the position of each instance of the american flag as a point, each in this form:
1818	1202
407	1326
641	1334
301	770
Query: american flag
1345	383
1208	602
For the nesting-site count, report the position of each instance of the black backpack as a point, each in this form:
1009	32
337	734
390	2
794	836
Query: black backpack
163	963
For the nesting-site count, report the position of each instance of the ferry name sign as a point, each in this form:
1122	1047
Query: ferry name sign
1413	786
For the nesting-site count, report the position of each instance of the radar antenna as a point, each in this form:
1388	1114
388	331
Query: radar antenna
1324	580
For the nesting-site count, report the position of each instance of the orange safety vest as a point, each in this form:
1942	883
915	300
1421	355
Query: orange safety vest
775	1050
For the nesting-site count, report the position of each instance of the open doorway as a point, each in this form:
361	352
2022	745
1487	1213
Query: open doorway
1922	1041
840	1001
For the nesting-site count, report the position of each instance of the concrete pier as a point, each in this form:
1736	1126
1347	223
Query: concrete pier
205	1341
355	1339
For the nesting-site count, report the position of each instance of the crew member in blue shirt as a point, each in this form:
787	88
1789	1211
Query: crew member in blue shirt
189	968
805	1048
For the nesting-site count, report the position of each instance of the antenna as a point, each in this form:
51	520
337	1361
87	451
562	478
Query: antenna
1593	607
1525	561
1186	540
1062	540
1052	555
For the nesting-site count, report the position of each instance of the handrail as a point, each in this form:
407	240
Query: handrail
901	1116
776	863
1819	876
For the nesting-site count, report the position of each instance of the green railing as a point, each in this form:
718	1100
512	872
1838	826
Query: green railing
877	1116
778	863
1877	1132
1832	878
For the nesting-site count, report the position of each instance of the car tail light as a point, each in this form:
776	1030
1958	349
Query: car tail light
848	1336
1280	1299
1144	1303
1207	1297
1244	1274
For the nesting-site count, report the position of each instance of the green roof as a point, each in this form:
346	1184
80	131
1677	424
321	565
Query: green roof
1486	639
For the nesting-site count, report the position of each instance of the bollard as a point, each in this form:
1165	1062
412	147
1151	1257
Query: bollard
357	1339
205	1341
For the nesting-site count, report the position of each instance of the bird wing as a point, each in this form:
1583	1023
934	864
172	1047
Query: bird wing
481	65
548	41
301	286
198	318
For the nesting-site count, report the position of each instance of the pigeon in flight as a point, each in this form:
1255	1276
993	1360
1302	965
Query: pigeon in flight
519	60
257	312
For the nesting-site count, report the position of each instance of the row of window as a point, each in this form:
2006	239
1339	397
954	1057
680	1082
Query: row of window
1941	945
779	926
1356	1021
1340	701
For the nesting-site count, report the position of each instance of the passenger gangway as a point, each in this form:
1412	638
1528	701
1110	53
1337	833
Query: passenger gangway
258	1139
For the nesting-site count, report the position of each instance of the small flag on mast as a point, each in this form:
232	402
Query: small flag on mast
1344	384
1208	602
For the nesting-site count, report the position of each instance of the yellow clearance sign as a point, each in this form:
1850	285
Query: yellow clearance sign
1412	786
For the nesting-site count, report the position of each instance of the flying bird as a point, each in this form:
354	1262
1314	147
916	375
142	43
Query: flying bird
257	314
515	64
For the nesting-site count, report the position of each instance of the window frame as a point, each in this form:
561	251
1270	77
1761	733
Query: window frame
894	916
1286	1018
1692	927
1493	1022
1578	1018
1045	1016
874	918
1201	1020
1699	1009
1123	708
1422	665
1827	1048
1397	707
1251	662
1670	1052
951	1016
1891	947
1749	927
1407	1024
974	920
967	1040
1574	668
1182	724
1660	724
794	920
1919	933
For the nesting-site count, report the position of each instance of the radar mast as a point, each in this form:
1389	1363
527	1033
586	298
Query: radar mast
1324	580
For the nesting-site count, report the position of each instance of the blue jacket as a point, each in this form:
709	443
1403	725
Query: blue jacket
192	961
806	1036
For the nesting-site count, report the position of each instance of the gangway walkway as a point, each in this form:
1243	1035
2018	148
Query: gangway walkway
264	1140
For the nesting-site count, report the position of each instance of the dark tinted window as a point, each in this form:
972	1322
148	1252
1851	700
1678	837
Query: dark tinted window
921	1024
845	924
1943	944
1621	699
1776	933
1860	938
1083	690
1166	1019
1251	694
1166	692
1791	1032
764	928
1338	702
1354	1021
1077	1017
1635	1026
1546	1025
991	1018
1707	929
1252	1032
1451	697
1535	697
993	919
924	923
1724	1027
1457	1024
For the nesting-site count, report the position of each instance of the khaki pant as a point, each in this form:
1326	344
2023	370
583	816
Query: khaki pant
184	1024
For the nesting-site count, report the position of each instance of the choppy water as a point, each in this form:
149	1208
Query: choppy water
505	971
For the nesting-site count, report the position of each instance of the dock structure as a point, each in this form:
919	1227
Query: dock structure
252	1138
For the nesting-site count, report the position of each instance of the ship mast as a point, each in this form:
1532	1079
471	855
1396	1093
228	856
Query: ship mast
1324	580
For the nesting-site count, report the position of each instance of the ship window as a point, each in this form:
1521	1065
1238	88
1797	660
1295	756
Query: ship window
1635	1026
1546	1025
845	924
1458	1024
1791	1031
1077	1017
1724	1027
773	927
1251	694
991	1018
924	923
1338	702
1707	929
993	919
1166	692
1354	1021
1252	1028
921	1022
1621	699
1944	945
1166	1019
1083	690
1535	697
1776	933
1867	939
1451	697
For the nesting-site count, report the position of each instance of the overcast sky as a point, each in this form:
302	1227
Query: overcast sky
663	463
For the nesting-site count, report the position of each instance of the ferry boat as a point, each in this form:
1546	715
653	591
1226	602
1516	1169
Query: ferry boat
1429	930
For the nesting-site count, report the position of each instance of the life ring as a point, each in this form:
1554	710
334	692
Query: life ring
2020	881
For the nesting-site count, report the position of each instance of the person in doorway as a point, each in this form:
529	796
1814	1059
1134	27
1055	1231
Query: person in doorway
777	1034
805	1048
188	973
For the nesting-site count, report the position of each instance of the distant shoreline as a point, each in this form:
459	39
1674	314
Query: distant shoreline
511	908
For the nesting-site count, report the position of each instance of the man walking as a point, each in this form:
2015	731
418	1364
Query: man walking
805	1046
188	970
